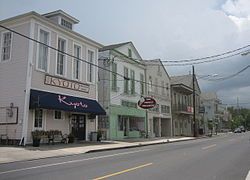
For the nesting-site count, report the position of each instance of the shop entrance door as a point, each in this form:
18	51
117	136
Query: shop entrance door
126	126
79	126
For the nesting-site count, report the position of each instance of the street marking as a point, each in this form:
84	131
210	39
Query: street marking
73	161
207	147
124	171
248	176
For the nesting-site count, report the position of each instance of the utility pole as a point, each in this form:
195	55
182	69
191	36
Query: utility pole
194	109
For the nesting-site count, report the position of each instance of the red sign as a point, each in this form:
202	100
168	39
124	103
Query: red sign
190	109
146	102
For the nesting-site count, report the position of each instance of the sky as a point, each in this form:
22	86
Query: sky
166	29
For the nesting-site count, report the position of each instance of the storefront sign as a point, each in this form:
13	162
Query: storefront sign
64	83
61	102
62	99
146	102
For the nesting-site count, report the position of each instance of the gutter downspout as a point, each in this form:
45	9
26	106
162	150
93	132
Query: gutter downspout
28	85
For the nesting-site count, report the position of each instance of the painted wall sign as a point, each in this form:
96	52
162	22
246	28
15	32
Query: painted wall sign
64	83
146	102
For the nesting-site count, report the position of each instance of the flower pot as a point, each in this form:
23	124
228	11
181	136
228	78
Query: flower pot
36	142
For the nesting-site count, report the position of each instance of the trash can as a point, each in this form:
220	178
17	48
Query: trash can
93	136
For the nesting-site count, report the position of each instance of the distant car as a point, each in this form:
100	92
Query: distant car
242	129
237	130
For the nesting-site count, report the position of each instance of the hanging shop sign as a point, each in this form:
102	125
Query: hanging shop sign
146	102
64	83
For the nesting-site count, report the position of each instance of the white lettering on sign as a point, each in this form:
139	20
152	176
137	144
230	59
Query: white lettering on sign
59	82
62	99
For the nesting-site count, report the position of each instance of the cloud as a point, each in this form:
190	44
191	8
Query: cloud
170	30
239	12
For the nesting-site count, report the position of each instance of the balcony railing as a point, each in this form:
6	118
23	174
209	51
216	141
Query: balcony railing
182	108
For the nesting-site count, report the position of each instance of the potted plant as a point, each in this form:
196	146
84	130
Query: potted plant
36	136
71	138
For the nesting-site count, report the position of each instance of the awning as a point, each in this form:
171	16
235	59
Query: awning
47	100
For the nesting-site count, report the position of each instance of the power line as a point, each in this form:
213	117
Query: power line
164	62
208	57
201	62
227	77
74	57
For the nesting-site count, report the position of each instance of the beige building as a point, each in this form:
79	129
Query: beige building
42	88
182	105
158	86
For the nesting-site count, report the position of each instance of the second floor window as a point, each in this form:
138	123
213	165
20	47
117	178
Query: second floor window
76	62
6	46
150	88
156	85
61	56
43	50
90	68
162	88
126	80
114	76
165	109
142	83
132	76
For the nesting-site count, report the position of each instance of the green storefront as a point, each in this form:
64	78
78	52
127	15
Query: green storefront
126	122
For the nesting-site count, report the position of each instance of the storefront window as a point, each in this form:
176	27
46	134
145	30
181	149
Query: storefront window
38	118
58	114
120	123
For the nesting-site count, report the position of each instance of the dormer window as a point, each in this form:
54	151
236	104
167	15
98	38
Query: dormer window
129	53
66	24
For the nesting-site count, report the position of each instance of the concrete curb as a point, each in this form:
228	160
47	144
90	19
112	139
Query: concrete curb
104	149
138	145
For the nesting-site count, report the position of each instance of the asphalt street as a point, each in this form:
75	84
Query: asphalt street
225	157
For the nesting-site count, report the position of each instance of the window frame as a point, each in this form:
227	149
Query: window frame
132	82
65	23
129	53
43	119
62	115
65	59
142	87
80	63
89	65
150	84
1	46
126	82
114	77
38	49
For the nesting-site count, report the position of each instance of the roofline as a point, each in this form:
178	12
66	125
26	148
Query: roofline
158	60
62	12
117	44
189	75
125	56
122	44
46	20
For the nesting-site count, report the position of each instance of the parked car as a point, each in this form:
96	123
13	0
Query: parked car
242	129
237	130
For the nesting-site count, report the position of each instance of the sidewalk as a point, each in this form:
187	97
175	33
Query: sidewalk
13	154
